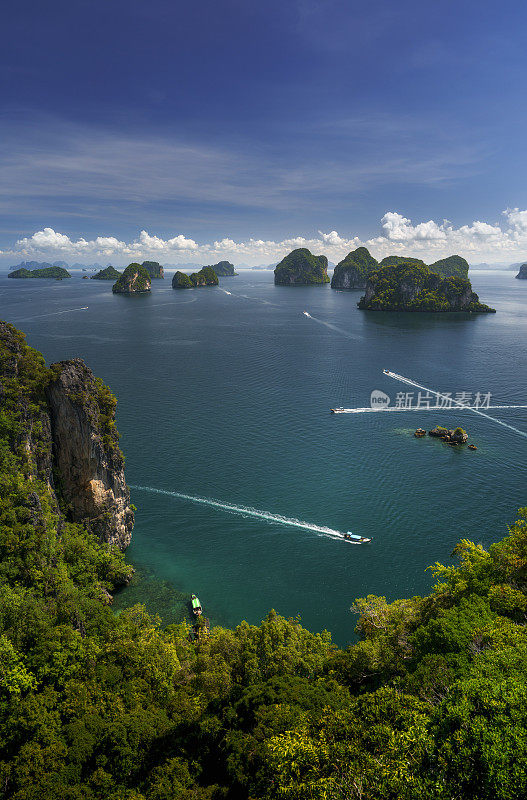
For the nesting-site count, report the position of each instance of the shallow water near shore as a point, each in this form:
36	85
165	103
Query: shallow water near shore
224	396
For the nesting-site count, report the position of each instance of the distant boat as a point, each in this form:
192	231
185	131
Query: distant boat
196	605
337	410
349	536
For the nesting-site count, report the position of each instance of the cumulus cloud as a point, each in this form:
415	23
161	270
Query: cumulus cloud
429	240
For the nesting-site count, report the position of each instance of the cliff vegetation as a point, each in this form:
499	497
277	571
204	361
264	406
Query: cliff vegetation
154	269
224	269
107	274
301	268
134	280
352	272
414	287
43	272
205	277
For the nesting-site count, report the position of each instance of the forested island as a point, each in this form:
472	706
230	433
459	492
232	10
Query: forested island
428	703
414	287
354	270
205	277
301	268
522	274
154	269
134	280
58	273
223	269
108	274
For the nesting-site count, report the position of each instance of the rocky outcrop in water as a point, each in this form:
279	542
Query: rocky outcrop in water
134	280
108	274
154	269
223	269
43	272
205	277
66	434
352	272
406	287
450	267
88	464
522	274
301	268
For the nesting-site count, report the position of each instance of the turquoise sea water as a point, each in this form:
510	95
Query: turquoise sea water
224	394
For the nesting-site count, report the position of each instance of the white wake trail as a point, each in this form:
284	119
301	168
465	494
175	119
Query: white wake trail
52	314
368	409
332	327
459	405
248	511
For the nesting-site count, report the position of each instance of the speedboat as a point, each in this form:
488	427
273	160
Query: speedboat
353	537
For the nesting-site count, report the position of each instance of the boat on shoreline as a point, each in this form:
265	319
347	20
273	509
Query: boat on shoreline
196	605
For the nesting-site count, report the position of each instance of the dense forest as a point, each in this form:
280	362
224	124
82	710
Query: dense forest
430	702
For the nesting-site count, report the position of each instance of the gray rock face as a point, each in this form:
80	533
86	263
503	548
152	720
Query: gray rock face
88	464
522	274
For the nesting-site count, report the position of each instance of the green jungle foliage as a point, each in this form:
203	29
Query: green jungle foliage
135	278
224	269
107	274
413	287
205	277
43	272
154	269
390	261
301	268
451	267
360	261
181	281
430	702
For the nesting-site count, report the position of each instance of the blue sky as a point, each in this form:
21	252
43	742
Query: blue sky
242	129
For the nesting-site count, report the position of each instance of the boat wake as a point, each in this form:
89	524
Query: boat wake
52	314
412	408
248	511
335	328
458	404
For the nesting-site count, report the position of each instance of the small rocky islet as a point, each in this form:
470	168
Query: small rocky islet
107	274
522	274
134	280
454	436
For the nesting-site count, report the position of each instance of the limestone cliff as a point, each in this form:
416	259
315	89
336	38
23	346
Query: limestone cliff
301	268
154	269
352	272
61	424
88	464
412	287
134	280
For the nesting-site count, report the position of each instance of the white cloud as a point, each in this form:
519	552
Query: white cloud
428	240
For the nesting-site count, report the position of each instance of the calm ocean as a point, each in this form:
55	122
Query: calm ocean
224	395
